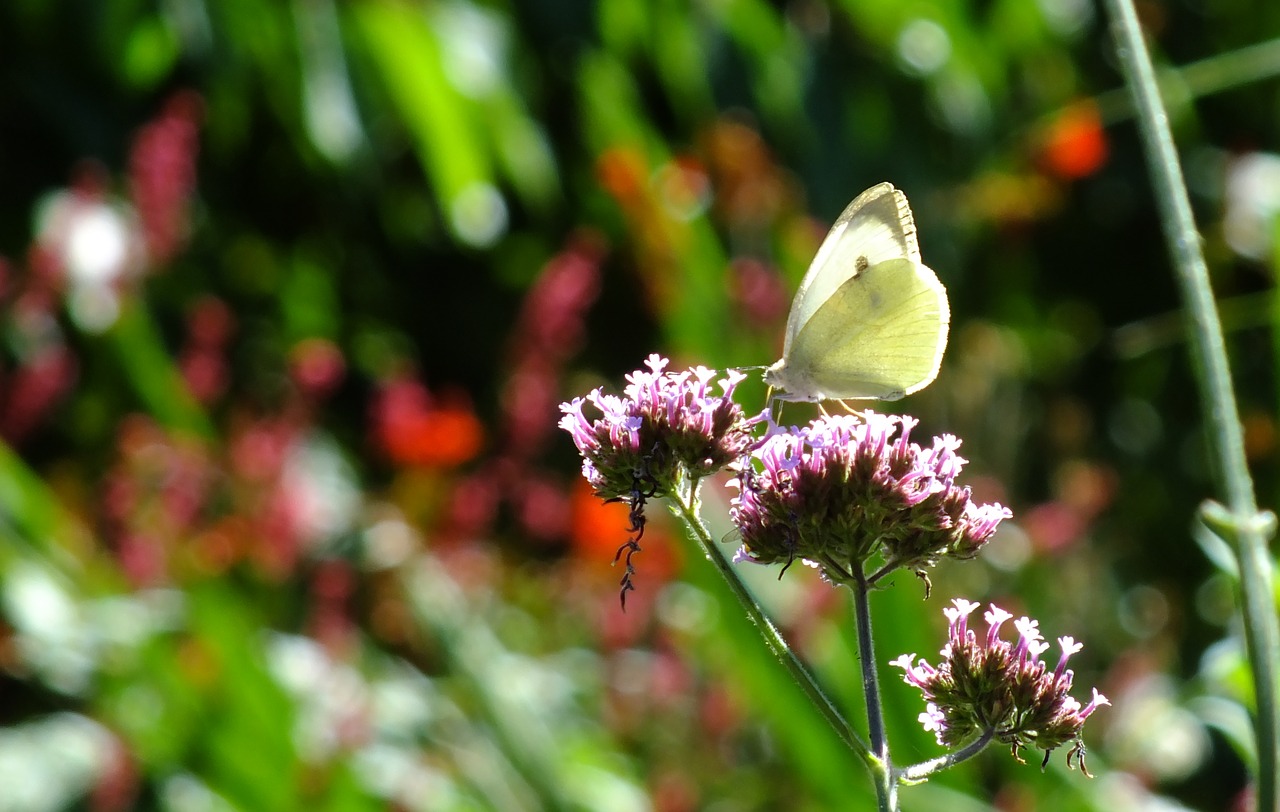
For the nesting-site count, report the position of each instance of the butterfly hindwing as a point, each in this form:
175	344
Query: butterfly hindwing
864	342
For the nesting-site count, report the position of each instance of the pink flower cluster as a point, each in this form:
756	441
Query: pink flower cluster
667	424
987	686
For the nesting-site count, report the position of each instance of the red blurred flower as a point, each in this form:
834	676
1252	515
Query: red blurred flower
332	586
118	779
598	529
154	496
1082	490
751	190
1074	144
203	360
32	390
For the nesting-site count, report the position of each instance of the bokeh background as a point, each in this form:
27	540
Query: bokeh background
290	292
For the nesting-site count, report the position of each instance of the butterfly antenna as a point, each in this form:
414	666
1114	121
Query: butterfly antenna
757	368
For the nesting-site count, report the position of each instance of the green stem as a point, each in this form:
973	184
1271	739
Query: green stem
1210	359
886	786
34	522
687	504
149	367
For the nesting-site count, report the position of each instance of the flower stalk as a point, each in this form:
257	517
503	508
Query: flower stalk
886	785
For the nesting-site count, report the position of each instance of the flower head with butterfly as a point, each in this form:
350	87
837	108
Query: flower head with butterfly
855	497
852	495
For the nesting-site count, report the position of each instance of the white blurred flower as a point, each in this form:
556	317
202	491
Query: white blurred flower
52	637
923	47
1120	790
97	243
474	43
51	762
321	489
1067	17
184	792
333	699
1252	204
478	214
1152	734
62	640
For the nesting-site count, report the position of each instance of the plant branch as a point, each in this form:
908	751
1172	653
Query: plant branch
1210	360
1180	86
919	772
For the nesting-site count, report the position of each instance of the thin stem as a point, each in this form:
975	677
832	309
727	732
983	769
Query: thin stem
1210	359
921	771
886	787
688	512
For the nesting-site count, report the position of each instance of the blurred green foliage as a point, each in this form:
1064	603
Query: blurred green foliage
290	291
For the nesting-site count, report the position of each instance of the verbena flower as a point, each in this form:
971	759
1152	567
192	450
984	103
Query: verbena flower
666	424
669	427
847	487
990	686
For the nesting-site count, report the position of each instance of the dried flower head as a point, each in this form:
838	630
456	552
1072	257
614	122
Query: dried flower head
668	428
849	487
992	687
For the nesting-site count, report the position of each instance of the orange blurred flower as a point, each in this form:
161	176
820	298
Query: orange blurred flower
622	172
597	529
412	430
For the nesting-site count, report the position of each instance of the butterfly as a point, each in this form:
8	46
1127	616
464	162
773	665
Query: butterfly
870	319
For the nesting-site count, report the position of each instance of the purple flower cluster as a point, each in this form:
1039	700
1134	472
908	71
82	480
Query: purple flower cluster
847	487
1004	690
666	425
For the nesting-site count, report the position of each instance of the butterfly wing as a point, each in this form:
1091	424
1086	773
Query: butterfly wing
880	335
877	226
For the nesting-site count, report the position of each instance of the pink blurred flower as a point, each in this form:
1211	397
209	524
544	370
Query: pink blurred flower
758	291
549	331
316	366
162	174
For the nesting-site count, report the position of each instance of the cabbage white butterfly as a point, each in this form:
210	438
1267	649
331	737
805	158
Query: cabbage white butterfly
869	320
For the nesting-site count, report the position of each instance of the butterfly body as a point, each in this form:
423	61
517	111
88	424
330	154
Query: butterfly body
870	320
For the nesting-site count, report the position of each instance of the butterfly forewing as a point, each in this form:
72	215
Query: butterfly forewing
877	226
